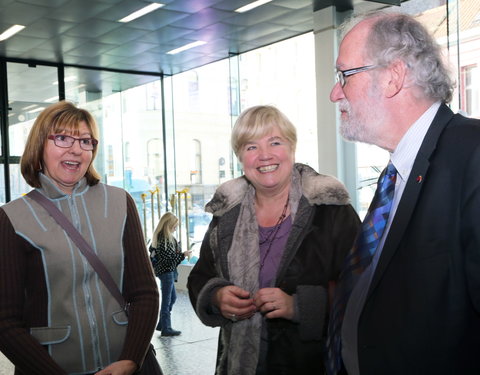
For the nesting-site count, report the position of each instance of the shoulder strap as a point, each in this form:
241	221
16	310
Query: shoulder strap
82	245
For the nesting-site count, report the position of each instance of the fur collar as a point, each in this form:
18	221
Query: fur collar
317	188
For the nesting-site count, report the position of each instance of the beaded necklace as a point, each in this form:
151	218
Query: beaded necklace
271	236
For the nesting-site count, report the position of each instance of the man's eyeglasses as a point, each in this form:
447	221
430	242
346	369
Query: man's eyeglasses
66	141
342	74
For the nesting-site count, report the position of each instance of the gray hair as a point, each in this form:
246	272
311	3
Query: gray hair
398	36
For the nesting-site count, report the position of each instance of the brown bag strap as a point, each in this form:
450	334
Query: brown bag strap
82	245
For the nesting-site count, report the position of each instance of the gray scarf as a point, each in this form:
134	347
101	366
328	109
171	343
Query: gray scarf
244	268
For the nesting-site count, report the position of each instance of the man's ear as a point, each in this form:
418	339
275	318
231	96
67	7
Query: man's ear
396	74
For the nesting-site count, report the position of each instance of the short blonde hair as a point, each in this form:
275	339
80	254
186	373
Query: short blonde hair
258	121
164	227
55	119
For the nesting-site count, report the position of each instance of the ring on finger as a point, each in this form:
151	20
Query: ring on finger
233	318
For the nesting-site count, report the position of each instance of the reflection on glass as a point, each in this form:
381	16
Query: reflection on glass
30	90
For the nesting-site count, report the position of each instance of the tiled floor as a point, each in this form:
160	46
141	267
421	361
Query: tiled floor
192	353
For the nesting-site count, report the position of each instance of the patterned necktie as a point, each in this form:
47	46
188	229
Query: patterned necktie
357	261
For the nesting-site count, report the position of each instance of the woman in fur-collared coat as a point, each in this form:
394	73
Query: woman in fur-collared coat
272	254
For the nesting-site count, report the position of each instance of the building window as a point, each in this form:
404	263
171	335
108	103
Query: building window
196	170
470	90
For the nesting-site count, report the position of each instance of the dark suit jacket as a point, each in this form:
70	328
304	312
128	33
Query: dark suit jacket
422	313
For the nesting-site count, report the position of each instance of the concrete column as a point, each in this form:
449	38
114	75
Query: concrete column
336	157
325	55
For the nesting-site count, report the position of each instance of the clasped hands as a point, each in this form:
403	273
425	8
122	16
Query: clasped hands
236	303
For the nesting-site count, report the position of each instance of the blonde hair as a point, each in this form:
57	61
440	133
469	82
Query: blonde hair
55	119
258	121
165	227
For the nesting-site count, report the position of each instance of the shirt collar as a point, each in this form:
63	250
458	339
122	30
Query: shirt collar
407	149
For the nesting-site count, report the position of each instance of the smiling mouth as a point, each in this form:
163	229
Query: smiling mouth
268	168
71	164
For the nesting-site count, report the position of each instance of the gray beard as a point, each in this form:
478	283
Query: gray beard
353	129
360	127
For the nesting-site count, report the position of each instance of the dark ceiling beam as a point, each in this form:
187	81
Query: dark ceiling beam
344	5
389	2
341	5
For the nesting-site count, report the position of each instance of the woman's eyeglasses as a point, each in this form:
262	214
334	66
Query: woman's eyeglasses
66	141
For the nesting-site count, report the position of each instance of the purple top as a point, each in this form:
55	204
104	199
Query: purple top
270	259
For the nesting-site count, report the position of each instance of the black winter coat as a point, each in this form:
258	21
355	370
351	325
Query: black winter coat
322	234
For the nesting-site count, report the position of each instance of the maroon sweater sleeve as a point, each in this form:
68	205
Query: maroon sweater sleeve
20	274
140	289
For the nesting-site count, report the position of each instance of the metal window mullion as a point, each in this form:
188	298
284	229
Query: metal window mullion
4	127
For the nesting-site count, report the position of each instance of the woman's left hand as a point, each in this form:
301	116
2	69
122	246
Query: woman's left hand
124	367
274	303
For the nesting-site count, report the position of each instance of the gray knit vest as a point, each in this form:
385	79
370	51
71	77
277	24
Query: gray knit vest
86	326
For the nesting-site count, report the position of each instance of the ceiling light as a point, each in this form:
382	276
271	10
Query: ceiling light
28	107
11	31
39	109
51	100
141	12
187	46
250	6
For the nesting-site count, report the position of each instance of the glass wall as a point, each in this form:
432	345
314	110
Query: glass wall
206	103
456	26
177	165
202	114
31	88
282	74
